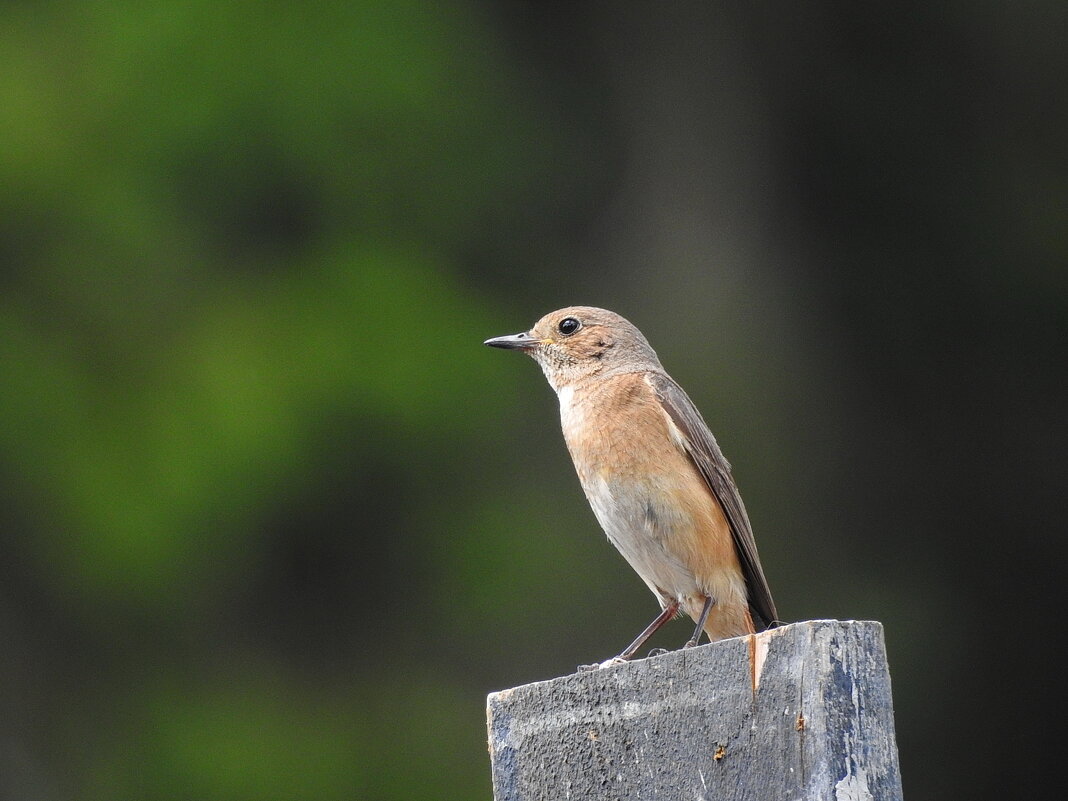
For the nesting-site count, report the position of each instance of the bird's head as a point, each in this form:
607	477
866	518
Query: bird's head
578	342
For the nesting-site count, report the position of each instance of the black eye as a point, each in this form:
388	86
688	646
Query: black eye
568	326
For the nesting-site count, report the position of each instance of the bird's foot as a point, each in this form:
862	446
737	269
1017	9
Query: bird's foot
658	652
691	643
615	660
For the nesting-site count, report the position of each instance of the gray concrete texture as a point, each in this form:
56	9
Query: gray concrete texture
803	711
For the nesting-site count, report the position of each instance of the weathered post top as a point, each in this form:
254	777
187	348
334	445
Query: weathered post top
798	712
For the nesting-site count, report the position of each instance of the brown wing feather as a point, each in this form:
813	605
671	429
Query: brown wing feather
706	455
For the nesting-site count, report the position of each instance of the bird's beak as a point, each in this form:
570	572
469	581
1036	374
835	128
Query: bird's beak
523	341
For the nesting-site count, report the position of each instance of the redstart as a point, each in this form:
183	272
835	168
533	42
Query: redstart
653	473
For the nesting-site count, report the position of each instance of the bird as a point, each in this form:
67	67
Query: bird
652	472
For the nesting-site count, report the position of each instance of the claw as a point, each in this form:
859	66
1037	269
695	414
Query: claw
615	660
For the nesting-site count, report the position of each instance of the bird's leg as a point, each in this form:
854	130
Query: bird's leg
709	603
669	612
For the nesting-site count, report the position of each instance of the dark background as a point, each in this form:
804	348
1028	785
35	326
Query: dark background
273	522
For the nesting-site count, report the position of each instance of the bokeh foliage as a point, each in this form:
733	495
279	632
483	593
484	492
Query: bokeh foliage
228	237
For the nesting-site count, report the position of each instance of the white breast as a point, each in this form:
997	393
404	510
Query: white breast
566	396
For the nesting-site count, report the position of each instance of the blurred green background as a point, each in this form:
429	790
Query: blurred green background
273	522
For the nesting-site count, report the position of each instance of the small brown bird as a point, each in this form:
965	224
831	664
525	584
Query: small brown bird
652	471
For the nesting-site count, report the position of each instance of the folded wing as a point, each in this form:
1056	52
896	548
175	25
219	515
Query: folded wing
716	471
